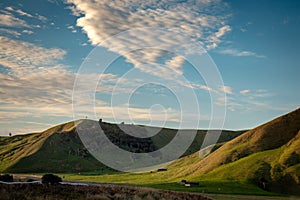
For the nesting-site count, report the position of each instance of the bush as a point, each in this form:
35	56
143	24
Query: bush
51	179
6	178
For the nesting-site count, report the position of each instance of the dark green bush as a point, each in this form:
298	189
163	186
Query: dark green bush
51	179
6	178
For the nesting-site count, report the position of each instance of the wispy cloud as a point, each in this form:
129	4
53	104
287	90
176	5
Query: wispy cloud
21	56
251	101
29	32
35	79
22	13
235	52
8	32
215	39
226	89
260	93
26	14
200	20
244	92
8	20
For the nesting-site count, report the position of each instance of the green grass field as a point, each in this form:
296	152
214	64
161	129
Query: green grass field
159	181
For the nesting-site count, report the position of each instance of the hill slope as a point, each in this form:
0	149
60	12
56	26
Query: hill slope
59	149
14	148
269	153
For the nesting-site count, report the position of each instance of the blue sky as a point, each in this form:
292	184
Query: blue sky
253	44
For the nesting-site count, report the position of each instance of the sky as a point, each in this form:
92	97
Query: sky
52	57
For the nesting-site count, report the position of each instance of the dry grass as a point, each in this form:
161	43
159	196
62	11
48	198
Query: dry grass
64	192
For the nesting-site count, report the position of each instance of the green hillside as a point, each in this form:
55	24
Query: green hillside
59	149
269	153
13	149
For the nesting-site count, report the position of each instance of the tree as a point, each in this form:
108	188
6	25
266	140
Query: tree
51	179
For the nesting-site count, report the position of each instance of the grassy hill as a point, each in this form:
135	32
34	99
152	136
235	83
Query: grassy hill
13	149
270	152
59	149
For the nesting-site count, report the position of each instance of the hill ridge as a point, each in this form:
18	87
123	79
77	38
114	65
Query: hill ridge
59	148
255	140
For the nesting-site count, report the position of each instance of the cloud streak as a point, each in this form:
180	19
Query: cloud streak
235	52
8	20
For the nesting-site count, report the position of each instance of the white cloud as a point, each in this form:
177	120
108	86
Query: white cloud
251	101
75	12
244	92
29	32
252	94
35	82
84	44
41	18
235	52
199	20
215	38
201	87
10	32
9	8
7	17
18	11
22	57
9	20
22	13
222	31
226	89
176	63
70	27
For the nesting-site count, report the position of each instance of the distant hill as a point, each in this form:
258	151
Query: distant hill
268	154
60	150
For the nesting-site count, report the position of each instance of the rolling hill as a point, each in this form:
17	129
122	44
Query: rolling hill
269	153
60	150
267	156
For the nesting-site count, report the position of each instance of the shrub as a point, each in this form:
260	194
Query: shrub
6	178
51	179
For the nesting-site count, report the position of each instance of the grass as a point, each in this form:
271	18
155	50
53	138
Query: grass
60	152
63	192
155	180
218	187
14	148
234	178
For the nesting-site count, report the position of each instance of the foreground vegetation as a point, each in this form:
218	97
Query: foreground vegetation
38	191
